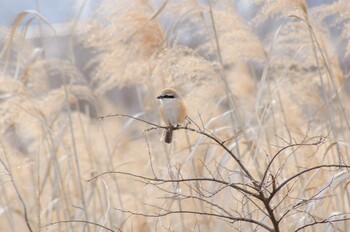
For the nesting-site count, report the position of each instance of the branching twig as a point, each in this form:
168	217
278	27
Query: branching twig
283	149
161	181
257	190
208	135
234	219
328	220
303	172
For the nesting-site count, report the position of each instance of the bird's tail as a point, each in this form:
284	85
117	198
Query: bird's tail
168	137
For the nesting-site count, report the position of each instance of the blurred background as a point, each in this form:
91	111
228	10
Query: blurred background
260	75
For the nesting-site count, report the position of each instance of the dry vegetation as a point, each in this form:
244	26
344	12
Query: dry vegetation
267	147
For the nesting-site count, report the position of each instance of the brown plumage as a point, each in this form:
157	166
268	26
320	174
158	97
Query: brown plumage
172	110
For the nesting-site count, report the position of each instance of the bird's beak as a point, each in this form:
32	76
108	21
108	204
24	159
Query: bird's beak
160	97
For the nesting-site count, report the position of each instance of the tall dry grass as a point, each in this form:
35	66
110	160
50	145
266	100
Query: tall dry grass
260	80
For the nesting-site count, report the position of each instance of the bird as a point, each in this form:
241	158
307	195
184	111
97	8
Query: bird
173	111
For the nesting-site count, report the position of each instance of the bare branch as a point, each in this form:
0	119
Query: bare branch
303	172
79	221
328	220
255	189
208	135
129	116
161	181
234	219
285	148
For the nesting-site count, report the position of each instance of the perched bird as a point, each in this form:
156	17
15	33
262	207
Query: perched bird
172	110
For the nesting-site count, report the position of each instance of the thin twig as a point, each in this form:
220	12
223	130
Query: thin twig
285	148
150	157
325	221
129	116
79	221
161	181
234	219
303	172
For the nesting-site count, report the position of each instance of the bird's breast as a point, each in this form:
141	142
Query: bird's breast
173	111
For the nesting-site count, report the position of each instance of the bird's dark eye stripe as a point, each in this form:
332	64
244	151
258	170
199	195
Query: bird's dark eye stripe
168	96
